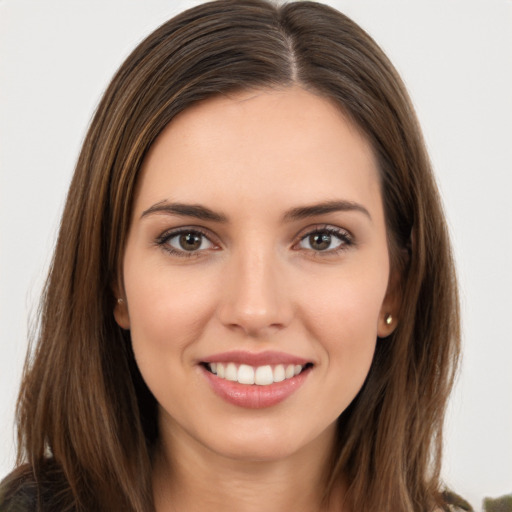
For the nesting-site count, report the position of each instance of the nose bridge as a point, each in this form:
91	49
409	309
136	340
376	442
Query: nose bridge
254	297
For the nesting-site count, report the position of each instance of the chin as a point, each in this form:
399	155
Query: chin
267	443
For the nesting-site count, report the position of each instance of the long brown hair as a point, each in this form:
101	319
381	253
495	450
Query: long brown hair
87	423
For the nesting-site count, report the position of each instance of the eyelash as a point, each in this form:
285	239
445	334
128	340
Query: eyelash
345	238
163	241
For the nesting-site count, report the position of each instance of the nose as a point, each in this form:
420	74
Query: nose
255	298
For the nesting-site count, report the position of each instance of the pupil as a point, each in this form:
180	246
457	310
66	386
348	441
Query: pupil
320	242
190	241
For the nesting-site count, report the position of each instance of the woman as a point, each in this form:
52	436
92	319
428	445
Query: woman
252	301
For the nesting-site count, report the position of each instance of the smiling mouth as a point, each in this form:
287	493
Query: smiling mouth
256	375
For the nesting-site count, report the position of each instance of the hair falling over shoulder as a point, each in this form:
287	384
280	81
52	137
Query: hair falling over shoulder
87	424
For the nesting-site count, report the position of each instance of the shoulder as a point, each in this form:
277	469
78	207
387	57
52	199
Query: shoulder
18	491
21	491
455	503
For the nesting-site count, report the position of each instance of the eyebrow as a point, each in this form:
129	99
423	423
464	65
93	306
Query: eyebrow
303	212
185	210
200	212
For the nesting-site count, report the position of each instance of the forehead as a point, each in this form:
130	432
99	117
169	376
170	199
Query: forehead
288	145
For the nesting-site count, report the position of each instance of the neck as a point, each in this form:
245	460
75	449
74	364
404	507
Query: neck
189	476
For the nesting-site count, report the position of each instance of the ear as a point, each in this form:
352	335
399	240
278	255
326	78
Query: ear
388	315
121	313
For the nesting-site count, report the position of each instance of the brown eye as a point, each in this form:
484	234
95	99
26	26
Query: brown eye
320	241
326	240
188	242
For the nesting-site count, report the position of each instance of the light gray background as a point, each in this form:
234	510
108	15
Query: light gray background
455	57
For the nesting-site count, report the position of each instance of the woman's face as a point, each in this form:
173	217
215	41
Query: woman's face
256	272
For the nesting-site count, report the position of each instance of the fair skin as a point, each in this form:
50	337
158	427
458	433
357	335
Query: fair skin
257	238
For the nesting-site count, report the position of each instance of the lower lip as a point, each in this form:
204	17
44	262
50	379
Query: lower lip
253	396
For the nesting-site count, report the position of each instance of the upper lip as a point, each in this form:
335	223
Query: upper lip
268	357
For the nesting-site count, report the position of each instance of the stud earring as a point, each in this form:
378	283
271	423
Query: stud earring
120	301
389	319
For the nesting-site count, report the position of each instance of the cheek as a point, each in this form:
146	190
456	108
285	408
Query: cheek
168	311
168	314
342	316
347	303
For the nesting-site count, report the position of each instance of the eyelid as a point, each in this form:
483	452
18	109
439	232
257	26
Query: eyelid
313	228
344	234
162	240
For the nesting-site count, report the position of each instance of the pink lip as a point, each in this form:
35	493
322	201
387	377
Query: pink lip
255	358
253	396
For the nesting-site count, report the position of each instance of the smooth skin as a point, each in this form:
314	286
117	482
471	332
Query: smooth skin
245	263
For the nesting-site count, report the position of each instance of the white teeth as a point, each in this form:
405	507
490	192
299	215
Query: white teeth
263	376
231	372
260	375
245	374
279	373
